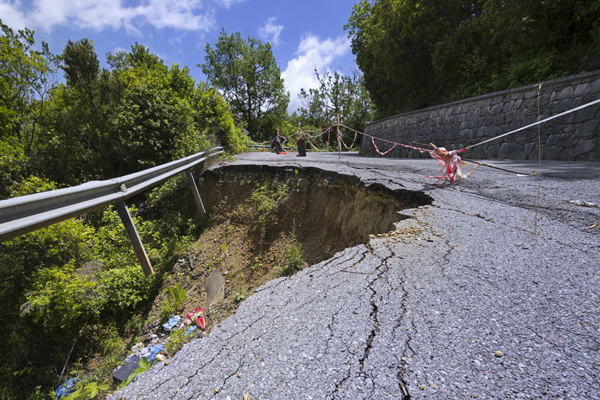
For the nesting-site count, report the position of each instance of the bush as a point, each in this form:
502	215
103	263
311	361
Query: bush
124	288
63	300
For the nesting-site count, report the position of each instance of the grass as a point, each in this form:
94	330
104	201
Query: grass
173	303
264	202
240	295
111	341
294	258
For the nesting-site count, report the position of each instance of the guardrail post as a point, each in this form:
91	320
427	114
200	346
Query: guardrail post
195	191
134	238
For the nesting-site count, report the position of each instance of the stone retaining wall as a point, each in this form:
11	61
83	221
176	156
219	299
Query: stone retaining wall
456	125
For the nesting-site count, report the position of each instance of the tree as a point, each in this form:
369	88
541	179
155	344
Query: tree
341	95
99	124
81	67
393	42
248	76
26	77
417	54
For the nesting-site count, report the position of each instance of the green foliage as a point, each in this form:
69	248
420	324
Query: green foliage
31	185
124	288
153	123
416	54
264	202
173	303
213	118
81	68
27	260
100	124
257	263
294	258
161	236
176	340
240	295
341	95
63	299
25	81
12	161
91	389
138	57
43	303
248	76
137	115
111	341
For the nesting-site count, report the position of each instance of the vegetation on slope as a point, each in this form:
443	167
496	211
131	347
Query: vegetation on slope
79	282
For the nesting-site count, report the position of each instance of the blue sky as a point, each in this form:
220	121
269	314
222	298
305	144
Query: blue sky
304	34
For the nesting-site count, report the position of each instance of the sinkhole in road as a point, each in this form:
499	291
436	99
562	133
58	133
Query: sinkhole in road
326	211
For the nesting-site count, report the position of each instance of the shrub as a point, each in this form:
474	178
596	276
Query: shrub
124	288
63	300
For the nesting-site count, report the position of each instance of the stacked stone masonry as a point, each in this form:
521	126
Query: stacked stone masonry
573	137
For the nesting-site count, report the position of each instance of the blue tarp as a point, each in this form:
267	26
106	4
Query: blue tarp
66	388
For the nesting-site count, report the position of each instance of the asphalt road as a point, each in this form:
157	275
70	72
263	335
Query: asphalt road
418	313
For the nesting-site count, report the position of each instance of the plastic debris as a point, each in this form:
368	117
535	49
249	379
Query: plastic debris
123	372
190	330
137	347
145	352
583	203
171	322
197	315
451	163
66	388
153	351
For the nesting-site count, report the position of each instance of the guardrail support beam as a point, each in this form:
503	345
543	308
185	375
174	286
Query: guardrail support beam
195	191
134	238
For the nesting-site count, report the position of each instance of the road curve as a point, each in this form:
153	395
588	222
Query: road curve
465	299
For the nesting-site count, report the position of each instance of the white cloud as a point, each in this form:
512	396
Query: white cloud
11	15
312	53
228	3
270	32
192	15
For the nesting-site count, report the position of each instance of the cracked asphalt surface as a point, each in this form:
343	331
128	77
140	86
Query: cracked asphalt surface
418	313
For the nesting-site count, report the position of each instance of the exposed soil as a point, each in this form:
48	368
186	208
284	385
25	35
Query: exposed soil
328	212
322	211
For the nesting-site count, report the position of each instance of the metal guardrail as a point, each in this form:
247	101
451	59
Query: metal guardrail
25	214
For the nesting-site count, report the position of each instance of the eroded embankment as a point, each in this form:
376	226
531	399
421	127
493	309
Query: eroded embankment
329	211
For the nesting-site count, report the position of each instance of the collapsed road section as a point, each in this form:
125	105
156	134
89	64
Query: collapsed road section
327	211
461	300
